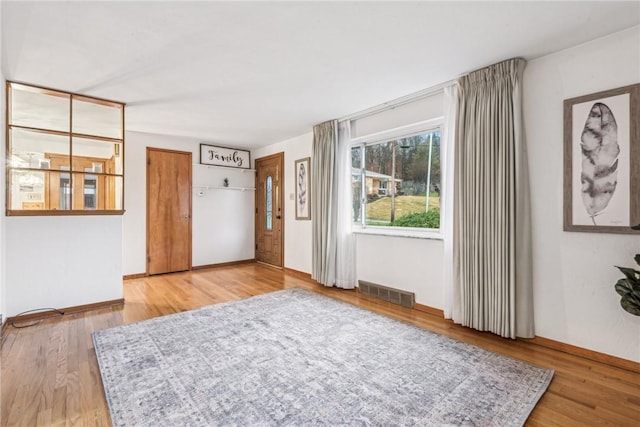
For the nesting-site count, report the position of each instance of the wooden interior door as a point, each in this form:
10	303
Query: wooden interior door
168	211
270	210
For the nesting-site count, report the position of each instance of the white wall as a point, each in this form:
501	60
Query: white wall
222	219
62	261
297	234
411	264
575	301
430	107
58	262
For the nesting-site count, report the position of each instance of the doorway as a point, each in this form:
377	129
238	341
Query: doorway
168	211
269	224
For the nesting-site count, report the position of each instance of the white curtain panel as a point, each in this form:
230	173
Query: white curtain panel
451	283
333	245
322	174
491	223
345	240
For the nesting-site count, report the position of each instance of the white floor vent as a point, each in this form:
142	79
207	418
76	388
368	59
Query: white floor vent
396	296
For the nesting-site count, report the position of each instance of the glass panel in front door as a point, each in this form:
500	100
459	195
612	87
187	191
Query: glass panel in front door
269	203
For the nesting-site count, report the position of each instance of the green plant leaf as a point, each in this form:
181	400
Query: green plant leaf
632	275
626	287
630	305
629	288
623	287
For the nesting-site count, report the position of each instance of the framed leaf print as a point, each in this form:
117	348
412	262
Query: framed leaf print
602	161
303	188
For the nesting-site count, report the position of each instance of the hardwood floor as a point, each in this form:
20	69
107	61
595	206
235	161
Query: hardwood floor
50	375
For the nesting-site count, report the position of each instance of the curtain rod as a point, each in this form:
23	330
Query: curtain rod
389	105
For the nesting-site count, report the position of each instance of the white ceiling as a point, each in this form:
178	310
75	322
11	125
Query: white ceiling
248	74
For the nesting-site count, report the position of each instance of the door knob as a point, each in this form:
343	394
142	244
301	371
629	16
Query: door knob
278	216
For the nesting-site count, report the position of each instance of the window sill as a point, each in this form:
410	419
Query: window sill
400	232
63	212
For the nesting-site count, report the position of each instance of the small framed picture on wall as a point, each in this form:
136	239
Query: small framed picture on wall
303	188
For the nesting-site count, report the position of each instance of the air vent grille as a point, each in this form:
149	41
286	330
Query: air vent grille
396	296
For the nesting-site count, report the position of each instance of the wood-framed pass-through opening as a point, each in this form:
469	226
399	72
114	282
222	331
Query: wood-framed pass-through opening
65	153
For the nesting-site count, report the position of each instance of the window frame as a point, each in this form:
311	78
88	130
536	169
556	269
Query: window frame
426	126
71	135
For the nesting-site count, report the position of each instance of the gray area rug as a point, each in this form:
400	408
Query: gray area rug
296	358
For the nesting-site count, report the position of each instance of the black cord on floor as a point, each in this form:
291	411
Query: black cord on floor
34	322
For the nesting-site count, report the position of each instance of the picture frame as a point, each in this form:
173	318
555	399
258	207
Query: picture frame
302	173
214	155
602	162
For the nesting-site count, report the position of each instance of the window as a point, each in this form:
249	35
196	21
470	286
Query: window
396	181
64	153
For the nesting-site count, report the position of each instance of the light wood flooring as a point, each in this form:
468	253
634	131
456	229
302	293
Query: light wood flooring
50	374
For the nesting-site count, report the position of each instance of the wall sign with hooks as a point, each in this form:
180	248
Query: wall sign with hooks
223	156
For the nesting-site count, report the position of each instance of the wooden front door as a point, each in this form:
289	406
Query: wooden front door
270	210
168	211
